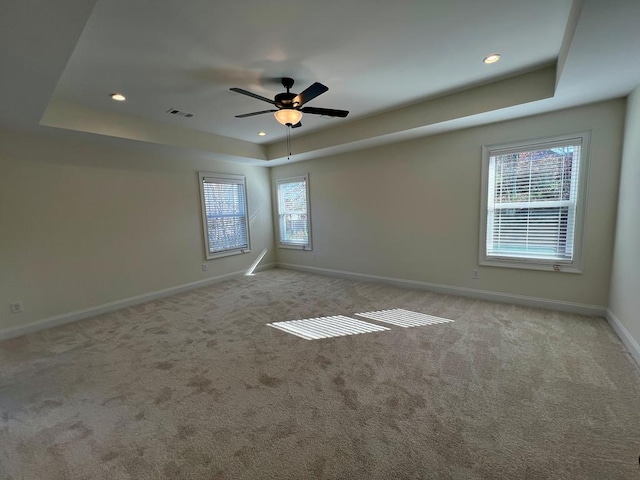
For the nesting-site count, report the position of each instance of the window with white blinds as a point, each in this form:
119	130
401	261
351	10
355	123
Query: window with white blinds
532	204
292	198
224	214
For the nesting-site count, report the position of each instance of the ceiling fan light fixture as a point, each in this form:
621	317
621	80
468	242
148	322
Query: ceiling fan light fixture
118	97
288	116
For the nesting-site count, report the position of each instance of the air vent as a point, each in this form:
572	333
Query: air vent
179	113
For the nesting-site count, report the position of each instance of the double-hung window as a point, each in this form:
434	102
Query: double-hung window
294	225
224	214
532	204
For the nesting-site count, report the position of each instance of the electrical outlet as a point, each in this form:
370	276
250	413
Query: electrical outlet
205	267
475	274
16	307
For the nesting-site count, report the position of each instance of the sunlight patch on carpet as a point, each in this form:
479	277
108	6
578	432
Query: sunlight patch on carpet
403	318
326	327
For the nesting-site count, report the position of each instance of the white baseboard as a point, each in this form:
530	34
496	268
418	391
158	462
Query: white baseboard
625	336
578	308
117	305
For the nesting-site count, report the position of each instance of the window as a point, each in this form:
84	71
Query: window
224	214
532	204
294	226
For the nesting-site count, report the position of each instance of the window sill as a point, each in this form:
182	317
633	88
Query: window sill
525	265
306	248
211	256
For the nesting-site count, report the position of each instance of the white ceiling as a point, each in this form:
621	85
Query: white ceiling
402	69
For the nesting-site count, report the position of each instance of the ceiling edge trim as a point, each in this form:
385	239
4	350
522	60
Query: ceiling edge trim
76	117
518	90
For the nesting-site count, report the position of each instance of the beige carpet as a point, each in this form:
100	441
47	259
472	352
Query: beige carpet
196	386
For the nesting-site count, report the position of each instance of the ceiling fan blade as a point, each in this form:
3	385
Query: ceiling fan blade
254	95
297	125
309	94
329	112
244	115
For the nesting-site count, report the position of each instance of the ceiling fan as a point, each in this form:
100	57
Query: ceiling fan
291	105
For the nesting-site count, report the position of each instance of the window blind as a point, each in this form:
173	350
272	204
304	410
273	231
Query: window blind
532	200
293	211
225	212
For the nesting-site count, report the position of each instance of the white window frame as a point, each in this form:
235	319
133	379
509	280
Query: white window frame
281	242
571	266
209	177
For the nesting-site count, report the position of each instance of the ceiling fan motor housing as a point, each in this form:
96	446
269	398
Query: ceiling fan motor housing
285	100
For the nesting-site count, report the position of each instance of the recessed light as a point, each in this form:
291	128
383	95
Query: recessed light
262	134
493	58
118	97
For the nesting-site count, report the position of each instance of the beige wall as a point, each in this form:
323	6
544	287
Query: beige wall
625	278
411	210
86	223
